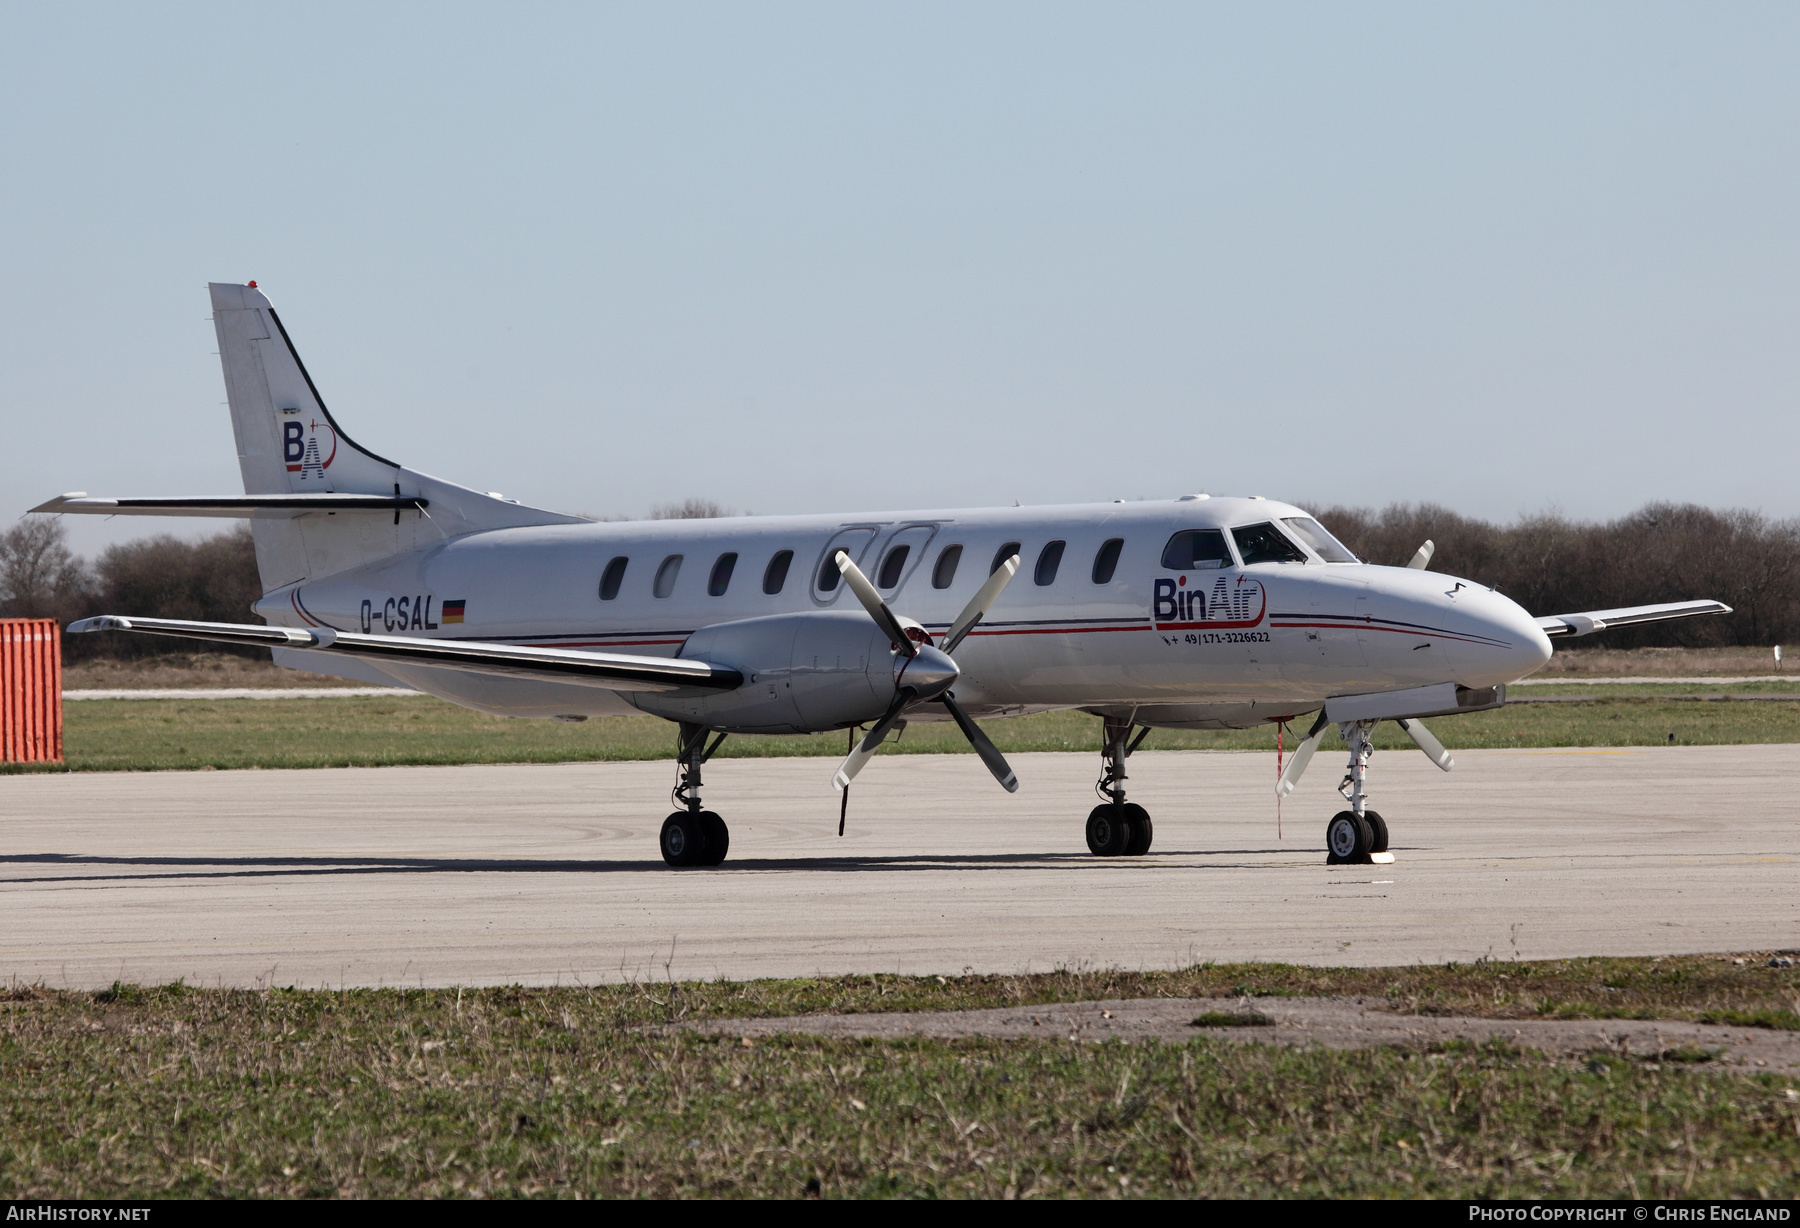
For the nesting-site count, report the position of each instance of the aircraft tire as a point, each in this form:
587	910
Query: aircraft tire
1348	839
1142	830
718	838
1378	826
1108	831
683	840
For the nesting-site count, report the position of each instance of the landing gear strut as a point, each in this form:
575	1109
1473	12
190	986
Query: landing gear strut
693	836
1356	835
1117	827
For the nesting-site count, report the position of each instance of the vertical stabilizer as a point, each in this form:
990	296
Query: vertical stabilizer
289	443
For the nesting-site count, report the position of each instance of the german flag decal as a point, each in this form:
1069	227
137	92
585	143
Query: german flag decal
453	612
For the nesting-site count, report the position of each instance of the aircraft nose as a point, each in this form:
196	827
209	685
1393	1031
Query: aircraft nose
930	672
1516	646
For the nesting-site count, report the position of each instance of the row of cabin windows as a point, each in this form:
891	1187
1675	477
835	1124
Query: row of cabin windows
774	575
1188	550
893	567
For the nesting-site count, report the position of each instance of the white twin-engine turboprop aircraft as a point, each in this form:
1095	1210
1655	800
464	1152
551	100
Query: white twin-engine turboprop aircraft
1199	613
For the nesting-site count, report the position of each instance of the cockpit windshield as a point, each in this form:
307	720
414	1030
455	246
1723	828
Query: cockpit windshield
1323	543
1264	543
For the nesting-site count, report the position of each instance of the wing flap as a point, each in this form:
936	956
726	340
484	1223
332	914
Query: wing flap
605	670
1560	626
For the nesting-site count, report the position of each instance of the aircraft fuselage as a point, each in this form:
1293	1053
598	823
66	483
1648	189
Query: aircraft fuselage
1222	642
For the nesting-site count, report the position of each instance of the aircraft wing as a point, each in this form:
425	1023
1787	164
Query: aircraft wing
604	670
244	507
1559	626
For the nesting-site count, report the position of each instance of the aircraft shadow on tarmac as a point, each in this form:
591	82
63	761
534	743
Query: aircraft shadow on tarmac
167	867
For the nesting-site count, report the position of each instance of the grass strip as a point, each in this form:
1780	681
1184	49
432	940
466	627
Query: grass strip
504	1092
1232	1019
150	735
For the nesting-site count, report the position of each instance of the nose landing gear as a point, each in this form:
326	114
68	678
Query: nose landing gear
1116	827
1357	836
694	836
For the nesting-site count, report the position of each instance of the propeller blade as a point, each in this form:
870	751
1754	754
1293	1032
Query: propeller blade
978	605
1423	556
872	602
1303	754
1434	749
865	750
990	754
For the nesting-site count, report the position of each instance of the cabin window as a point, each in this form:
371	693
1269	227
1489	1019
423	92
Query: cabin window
1323	543
829	575
892	566
1000	556
1264	543
944	573
612	577
720	580
1196	550
1049	559
665	576
1107	561
775	575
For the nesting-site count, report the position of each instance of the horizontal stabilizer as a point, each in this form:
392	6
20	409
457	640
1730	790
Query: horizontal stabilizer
608	671
246	507
1561	626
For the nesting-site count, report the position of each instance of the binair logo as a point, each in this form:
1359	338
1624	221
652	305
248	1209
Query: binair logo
302	450
1231	601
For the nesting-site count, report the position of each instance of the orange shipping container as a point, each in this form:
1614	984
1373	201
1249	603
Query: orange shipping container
30	690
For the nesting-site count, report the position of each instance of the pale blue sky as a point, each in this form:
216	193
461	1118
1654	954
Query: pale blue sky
831	257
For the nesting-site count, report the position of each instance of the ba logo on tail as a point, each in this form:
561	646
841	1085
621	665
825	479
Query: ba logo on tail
302	450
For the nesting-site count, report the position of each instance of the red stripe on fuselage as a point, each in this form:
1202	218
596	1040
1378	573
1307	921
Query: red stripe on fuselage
1432	635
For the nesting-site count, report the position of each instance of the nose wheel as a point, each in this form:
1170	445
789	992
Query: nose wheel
1116	827
1357	836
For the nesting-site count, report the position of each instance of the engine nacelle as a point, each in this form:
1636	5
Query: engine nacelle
803	673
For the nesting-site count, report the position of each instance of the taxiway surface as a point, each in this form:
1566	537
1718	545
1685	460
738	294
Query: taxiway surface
549	874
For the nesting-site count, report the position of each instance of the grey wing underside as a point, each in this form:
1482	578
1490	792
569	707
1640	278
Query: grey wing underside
1562	626
603	670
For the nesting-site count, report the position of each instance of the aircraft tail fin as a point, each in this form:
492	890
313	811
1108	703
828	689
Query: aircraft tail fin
288	443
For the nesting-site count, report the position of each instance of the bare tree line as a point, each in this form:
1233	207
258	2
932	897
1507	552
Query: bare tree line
214	580
1547	563
1661	552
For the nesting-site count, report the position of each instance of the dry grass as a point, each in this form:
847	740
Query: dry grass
189	671
1666	662
173	1091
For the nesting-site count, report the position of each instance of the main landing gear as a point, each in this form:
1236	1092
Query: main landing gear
1116	827
693	836
1357	836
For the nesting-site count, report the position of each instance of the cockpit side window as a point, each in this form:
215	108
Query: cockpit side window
1196	550
1264	543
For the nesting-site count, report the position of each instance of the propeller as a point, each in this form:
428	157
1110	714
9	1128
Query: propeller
1434	749
1303	753
1422	556
929	673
